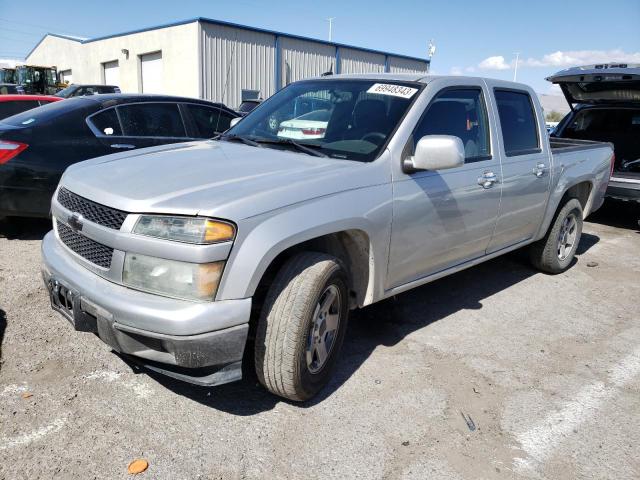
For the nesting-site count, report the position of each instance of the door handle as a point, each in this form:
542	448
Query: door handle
126	146
539	169
487	179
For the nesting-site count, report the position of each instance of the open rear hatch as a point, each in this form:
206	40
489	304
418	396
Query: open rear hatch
611	83
613	92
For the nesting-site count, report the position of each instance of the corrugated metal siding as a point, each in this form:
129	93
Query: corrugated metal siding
302	59
358	61
242	59
404	65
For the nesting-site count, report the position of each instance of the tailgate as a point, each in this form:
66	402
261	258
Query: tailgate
597	84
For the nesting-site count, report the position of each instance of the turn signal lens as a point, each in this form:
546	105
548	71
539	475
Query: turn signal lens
218	231
8	150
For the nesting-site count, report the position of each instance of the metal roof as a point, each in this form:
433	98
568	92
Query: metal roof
232	25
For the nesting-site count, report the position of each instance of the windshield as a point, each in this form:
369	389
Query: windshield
65	92
346	119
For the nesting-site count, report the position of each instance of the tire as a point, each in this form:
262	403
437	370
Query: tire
546	254
287	351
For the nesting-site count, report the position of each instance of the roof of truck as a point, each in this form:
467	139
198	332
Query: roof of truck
421	78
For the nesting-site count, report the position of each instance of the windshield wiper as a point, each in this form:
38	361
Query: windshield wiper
238	138
306	148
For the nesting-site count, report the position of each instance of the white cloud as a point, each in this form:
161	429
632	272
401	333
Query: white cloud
574	58
455	71
494	63
470	69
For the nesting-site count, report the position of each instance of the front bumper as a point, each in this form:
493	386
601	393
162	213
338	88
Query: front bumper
200	343
624	189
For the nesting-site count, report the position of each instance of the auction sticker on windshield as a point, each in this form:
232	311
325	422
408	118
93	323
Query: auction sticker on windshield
393	90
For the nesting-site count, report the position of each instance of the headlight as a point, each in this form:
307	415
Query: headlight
185	229
191	281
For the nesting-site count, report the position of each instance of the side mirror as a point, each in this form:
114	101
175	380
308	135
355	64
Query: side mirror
234	121
436	152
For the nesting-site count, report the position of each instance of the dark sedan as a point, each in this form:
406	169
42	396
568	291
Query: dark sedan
36	146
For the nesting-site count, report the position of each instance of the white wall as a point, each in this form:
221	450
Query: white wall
179	46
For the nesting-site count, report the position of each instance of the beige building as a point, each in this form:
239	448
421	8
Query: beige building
208	59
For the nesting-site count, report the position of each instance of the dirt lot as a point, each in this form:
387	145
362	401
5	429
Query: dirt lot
496	372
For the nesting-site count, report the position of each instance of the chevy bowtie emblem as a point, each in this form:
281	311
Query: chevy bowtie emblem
75	222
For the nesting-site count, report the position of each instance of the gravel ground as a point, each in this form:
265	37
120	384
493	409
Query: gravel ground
495	372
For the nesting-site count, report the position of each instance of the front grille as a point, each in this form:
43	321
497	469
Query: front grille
88	249
92	211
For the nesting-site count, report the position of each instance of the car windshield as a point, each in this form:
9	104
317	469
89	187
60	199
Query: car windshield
346	119
65	92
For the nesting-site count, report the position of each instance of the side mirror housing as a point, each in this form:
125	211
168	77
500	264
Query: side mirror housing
234	121
436	152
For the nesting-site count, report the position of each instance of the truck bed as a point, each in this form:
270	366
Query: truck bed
559	145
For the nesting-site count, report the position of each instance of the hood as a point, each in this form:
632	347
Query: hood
217	179
600	84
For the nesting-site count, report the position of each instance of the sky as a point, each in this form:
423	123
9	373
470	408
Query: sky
471	37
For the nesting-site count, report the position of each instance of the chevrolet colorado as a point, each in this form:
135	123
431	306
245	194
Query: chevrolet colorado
189	257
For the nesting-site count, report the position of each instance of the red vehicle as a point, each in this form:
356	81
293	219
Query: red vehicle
14	104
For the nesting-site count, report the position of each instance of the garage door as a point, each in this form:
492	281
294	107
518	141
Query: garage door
111	73
66	76
152	79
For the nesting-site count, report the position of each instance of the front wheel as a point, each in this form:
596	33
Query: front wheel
302	326
555	251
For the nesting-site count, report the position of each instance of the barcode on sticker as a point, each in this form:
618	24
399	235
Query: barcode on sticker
393	90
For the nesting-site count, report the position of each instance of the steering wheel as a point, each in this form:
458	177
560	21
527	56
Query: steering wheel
374	137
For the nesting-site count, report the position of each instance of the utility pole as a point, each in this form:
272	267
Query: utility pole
330	20
515	70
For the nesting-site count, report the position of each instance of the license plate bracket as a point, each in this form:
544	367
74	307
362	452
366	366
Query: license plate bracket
66	301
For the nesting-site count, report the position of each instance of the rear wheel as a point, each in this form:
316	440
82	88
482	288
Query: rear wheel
555	251
302	326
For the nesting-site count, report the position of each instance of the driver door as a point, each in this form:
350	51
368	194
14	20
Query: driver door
446	217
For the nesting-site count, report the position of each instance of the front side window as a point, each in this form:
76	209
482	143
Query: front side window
151	120
344	119
461	113
518	122
209	121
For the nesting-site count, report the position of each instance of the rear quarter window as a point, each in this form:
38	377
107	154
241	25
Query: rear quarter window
106	123
517	122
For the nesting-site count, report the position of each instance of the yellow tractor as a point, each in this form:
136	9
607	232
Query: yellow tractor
36	79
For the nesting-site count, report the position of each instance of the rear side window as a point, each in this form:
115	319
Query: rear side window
209	121
8	109
461	113
518	122
106	122
151	120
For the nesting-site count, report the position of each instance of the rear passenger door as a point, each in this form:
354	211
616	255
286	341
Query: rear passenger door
139	125
525	168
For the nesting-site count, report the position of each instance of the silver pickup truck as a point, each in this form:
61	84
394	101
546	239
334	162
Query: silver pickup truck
333	194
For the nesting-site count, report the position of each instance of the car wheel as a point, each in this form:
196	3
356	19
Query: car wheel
302	326
555	251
